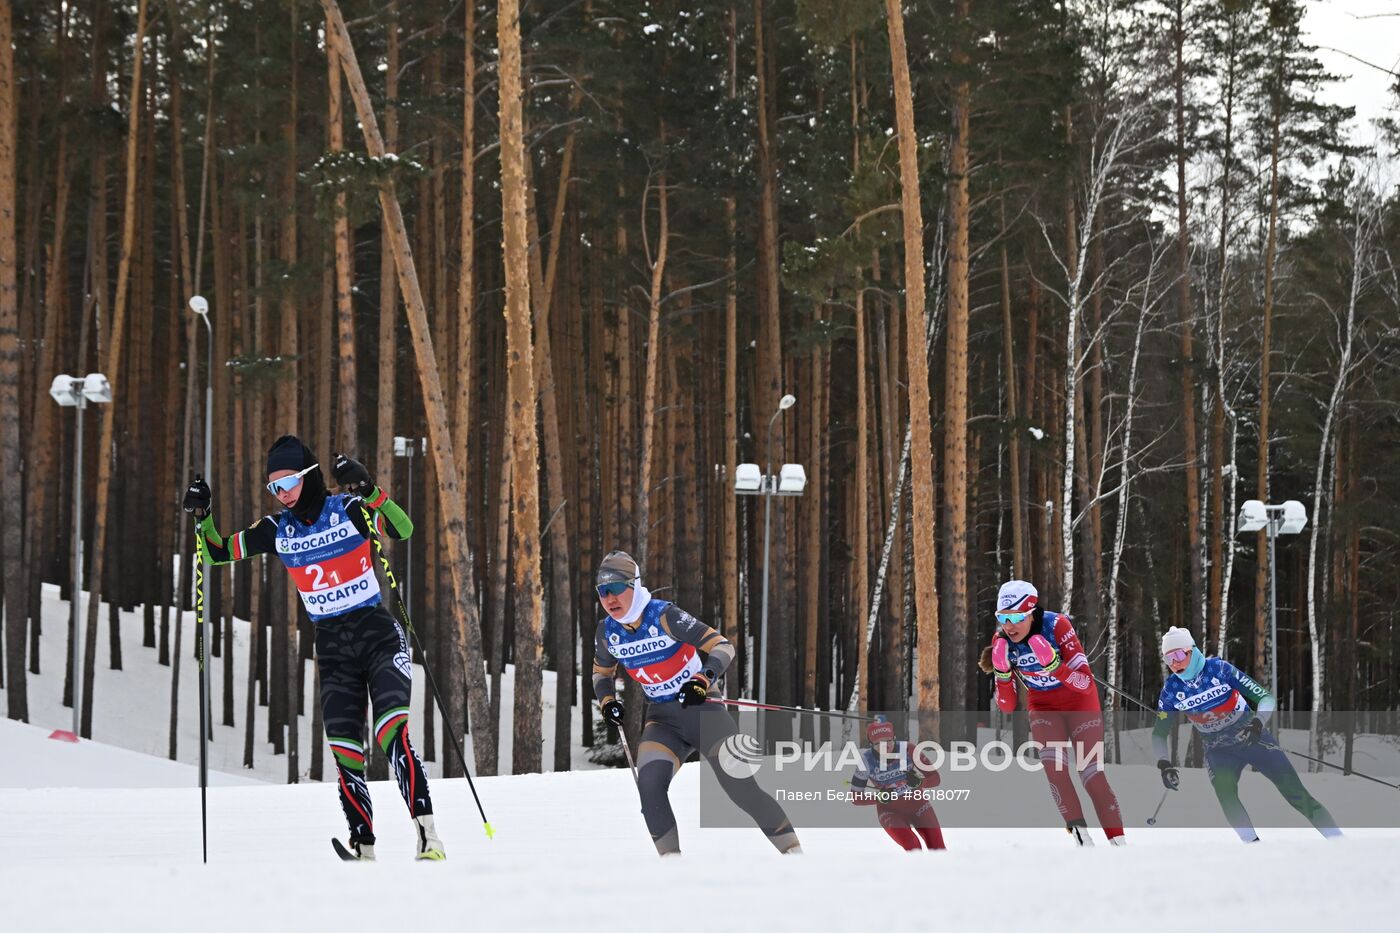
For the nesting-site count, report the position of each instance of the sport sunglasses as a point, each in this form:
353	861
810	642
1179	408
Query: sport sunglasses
288	483
1177	656
616	588
1011	618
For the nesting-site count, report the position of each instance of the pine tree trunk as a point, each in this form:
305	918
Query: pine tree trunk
388	291
10	473
542	299
287	413
729	540
347	437
925	518
815	510
955	651
860	490
466	358
525	756
769	374
1261	544
113	352
1188	362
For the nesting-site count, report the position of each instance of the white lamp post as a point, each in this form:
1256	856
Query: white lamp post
73	392
749	482
409	447
1286	519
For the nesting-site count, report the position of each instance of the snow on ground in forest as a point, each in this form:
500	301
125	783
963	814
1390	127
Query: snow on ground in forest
572	849
96	835
131	707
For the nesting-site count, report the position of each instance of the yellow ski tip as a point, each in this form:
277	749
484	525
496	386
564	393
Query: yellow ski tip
490	833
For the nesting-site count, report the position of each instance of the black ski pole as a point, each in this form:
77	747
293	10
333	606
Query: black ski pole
1342	768
748	704
201	647
1152	820
423	656
1126	696
627	750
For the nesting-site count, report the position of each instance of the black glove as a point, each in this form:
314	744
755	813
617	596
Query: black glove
612	712
693	691
1251	731
1171	778
914	777
351	476
198	498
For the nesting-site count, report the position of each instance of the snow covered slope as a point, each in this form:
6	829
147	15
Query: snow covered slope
572	849
35	760
131	707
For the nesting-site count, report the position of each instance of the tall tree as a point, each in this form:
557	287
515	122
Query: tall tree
525	514
10	475
954	653
113	352
920	423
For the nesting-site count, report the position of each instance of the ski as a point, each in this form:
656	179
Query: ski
345	854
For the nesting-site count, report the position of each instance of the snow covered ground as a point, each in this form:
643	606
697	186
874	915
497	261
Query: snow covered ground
131	706
572	849
95	836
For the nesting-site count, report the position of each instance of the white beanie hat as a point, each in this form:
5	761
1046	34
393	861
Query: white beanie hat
1177	638
1017	596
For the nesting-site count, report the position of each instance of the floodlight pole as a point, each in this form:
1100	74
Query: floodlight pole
75	648
1275	520
768	489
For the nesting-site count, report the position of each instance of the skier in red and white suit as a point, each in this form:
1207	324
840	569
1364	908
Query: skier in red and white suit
890	780
1040	649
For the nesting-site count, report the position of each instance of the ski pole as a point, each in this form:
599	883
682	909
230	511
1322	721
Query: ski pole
201	647
627	750
1345	770
200	307
1126	696
1152	820
423	656
747	704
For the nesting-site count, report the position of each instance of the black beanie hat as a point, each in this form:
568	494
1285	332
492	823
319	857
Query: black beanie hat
289	453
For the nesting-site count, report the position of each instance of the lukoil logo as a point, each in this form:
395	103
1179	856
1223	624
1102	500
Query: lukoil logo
740	756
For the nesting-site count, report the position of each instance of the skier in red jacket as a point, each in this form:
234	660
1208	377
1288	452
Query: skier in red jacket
1040	649
890	779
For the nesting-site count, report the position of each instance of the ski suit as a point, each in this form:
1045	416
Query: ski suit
662	650
1220	702
361	652
1065	718
905	814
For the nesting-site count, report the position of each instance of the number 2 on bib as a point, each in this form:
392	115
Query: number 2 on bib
319	577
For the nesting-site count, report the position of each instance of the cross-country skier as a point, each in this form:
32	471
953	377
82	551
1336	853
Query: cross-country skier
675	658
361	653
1230	710
892	775
1039	648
